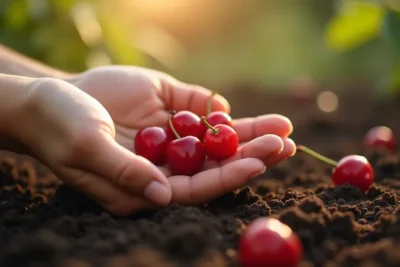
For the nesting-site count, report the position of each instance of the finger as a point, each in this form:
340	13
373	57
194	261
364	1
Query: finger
182	96
127	171
289	149
250	128
212	183
105	193
260	148
164	170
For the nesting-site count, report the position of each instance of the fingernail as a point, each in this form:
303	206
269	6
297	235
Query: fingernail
158	193
259	173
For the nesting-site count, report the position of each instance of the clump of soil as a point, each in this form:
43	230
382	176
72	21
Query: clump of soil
45	223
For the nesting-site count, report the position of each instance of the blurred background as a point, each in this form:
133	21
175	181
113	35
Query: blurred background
218	44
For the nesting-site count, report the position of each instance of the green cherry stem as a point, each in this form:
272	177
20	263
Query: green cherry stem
316	155
173	128
209	101
213	129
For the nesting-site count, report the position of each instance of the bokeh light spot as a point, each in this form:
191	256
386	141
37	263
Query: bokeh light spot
327	101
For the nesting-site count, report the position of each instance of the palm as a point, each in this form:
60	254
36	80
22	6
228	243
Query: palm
137	98
131	98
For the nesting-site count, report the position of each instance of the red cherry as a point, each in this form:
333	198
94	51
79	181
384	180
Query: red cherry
151	143
354	170
187	123
219	117
220	141
380	136
185	155
269	242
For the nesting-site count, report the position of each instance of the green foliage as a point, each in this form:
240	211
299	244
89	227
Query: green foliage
355	23
48	31
391	28
358	22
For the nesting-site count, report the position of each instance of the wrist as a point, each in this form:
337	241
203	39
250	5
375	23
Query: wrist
13	63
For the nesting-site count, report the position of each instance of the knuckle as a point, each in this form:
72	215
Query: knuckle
81	142
38	90
122	179
77	145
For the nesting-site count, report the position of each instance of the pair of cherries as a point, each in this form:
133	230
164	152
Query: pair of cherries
187	140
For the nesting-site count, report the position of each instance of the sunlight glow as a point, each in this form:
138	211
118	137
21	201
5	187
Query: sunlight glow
149	40
86	23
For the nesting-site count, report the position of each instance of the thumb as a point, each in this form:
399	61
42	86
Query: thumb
129	172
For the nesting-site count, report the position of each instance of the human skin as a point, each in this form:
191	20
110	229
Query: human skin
82	126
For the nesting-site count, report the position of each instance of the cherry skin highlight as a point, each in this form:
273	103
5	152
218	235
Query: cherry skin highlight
269	242
151	143
185	156
187	123
380	136
219	117
220	141
354	170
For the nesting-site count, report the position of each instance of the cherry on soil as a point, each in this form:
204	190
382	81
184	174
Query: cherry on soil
185	155
380	137
353	169
220	141
269	242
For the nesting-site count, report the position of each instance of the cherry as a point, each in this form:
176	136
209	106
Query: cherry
187	123
269	242
219	117
380	136
220	141
151	143
353	169
185	155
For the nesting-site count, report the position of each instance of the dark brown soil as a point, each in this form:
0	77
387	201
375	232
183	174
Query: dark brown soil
43	223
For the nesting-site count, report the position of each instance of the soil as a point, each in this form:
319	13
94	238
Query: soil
45	223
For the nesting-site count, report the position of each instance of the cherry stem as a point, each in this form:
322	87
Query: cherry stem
316	155
173	128
213	129
209	102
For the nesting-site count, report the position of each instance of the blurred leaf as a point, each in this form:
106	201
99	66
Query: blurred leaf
391	28
356	23
118	38
16	16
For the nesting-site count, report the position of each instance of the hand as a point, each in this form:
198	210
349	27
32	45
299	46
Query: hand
137	98
73	134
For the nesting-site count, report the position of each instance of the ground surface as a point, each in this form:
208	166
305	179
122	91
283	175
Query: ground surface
45	224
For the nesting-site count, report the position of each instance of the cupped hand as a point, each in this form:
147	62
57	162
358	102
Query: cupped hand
136	98
74	135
